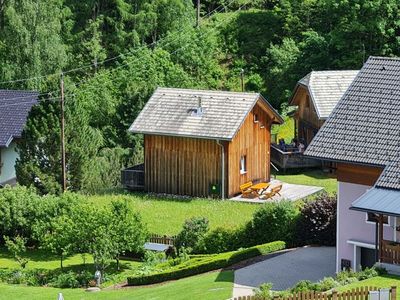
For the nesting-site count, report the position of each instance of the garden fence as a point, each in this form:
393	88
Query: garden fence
162	239
361	293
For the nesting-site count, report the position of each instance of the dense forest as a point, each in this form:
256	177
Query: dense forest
115	53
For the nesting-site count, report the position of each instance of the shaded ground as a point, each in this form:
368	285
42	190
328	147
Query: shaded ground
284	271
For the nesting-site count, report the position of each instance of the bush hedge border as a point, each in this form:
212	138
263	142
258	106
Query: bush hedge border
206	264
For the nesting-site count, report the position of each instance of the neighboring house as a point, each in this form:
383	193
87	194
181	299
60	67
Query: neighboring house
199	142
363	136
316	95
14	109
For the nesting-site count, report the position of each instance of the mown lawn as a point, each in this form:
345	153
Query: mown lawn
310	177
210	286
284	131
385	281
166	216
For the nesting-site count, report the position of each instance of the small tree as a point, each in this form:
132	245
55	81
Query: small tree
57	236
127	230
192	232
17	246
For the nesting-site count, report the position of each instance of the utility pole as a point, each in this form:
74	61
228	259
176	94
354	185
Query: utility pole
198	14
63	171
242	78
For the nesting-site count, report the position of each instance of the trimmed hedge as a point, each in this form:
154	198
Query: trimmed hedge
202	264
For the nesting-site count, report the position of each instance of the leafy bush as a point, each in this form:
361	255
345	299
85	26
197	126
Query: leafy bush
273	222
192	232
317	222
304	286
217	241
65	280
264	292
204	263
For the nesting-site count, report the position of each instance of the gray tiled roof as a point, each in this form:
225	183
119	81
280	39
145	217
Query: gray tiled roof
364	127
326	88
14	109
169	111
390	177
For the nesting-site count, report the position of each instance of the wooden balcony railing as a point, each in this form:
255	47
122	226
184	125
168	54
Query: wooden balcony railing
291	160
390	252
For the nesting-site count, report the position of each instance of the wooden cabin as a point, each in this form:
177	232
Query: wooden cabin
205	143
315	96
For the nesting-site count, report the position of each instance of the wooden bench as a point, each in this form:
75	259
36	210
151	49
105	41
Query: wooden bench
272	191
246	190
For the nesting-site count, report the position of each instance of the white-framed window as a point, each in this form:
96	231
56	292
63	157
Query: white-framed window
255	116
370	218
243	164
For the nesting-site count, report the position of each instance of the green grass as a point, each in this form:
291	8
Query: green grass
210	286
284	131
166	216
385	281
311	177
43	260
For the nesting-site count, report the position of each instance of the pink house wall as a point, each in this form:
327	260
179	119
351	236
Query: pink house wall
352	225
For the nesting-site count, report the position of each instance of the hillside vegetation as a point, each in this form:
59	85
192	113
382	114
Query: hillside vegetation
115	53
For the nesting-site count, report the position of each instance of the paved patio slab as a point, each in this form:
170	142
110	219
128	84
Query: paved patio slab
289	191
285	270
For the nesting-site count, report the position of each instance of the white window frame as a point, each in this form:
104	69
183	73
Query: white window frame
243	164
373	223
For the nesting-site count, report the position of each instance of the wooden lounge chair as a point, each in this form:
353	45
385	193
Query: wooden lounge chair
272	191
247	192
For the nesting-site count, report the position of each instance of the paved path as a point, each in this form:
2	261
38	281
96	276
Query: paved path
285	270
289	191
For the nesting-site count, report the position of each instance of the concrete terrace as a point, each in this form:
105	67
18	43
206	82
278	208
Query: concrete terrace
289	191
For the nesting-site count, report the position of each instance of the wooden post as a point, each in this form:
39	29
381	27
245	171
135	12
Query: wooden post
380	237
198	14
63	169
242	79
334	295
393	292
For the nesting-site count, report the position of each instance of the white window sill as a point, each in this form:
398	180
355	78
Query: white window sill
243	172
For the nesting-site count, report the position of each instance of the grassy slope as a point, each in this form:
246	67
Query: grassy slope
385	281
284	131
216	285
166	216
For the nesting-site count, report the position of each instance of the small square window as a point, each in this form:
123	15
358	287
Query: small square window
371	217
243	164
255	118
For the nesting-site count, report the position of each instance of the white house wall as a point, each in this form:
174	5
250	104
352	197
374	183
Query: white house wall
8	159
352	225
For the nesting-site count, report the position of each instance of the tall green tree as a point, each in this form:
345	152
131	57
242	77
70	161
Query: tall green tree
30	41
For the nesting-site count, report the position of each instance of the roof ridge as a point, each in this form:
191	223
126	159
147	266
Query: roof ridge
208	91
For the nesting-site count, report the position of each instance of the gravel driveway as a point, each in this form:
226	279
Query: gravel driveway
285	270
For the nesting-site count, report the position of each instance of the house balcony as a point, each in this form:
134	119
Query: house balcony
390	252
133	178
291	159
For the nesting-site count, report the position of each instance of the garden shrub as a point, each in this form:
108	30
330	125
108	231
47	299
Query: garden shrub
264	292
272	222
65	280
317	221
217	241
204	263
192	233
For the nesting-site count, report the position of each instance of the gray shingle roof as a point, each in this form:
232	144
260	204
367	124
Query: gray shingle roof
14	109
169	111
390	177
326	88
364	127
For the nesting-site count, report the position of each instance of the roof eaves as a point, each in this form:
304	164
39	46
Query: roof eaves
274	111
181	135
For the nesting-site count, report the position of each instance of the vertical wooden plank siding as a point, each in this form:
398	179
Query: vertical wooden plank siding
183	166
254	142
